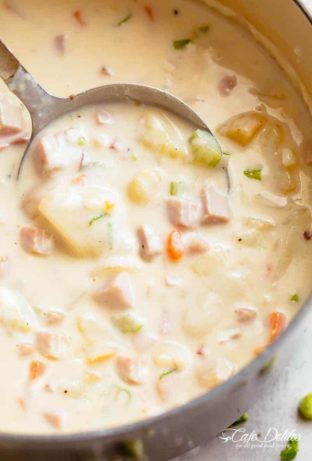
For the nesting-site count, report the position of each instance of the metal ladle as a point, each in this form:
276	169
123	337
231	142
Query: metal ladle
45	108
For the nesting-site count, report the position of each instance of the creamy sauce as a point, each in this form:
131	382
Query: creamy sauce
134	277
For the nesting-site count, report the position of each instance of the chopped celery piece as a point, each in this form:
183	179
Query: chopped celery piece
175	187
253	174
168	373
181	44
291	450
96	218
205	148
294	298
241	420
128	323
124	20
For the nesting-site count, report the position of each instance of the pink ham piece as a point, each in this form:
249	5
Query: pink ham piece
246	314
11	117
36	241
103	117
58	151
60	42
184	212
117	293
216	207
130	370
227	84
195	243
149	241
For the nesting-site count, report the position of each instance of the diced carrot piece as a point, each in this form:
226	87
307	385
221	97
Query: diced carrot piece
174	246
277	321
79	18
36	369
21	403
149	11
54	419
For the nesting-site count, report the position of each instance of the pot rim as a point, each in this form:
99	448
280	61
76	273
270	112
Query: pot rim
122	431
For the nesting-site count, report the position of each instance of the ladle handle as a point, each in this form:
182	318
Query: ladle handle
38	102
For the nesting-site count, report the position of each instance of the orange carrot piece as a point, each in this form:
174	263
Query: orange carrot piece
277	321
149	11
174	246
21	403
36	369
54	419
79	18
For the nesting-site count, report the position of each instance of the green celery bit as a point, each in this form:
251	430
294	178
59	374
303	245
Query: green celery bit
123	390
81	141
167	373
124	20
182	43
97	218
175	187
305	407
110	235
134	449
128	323
294	298
253	174
291	450
241	420
205	148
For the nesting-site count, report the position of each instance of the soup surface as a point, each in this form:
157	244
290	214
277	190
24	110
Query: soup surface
141	263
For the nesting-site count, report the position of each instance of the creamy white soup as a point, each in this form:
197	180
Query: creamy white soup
142	262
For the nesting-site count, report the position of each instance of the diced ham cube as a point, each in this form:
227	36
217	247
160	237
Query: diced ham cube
36	241
130	370
117	293
195	243
59	151
246	314
54	317
103	117
11	117
25	349
216	207
60	42
149	241
227	84
4	266
184	212
50	345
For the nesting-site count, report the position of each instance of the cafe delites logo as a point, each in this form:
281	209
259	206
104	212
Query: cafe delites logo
273	437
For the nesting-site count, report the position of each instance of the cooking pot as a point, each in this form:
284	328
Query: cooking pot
285	28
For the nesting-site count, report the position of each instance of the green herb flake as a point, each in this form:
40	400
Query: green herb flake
305	407
175	187
81	142
241	420
124	20
110	235
134	156
294	298
123	390
168	373
97	218
253	174
290	451
182	43
134	449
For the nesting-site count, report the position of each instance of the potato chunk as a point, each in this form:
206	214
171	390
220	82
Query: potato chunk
79	215
243	128
15	312
162	136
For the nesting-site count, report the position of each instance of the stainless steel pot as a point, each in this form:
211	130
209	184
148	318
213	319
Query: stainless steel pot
286	28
